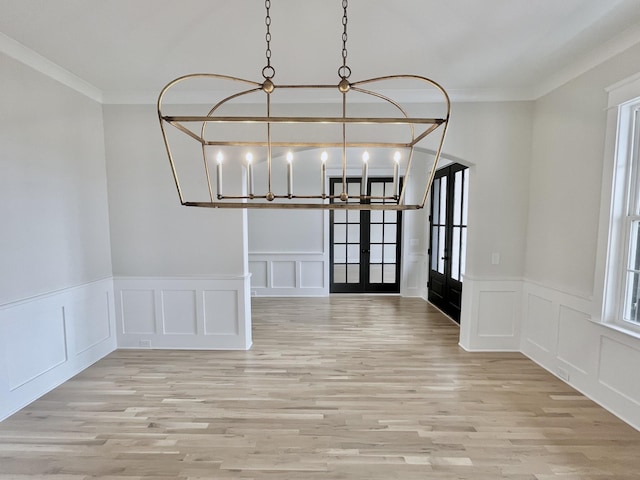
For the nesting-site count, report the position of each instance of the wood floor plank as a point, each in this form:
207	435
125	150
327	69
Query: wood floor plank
346	387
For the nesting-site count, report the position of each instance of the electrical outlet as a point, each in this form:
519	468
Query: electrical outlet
495	259
144	343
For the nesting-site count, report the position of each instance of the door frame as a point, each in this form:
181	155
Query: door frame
445	291
364	285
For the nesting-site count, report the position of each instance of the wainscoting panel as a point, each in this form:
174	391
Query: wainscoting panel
45	340
221	312
490	317
179	314
542	325
623	381
574	349
599	361
289	274
208	312
138	311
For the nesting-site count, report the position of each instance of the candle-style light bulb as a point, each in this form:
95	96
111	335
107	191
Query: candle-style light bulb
289	174
365	171
249	158
396	166
323	173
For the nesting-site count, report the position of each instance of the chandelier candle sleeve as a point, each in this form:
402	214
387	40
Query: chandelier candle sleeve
289	174
219	173
365	173
323	174
250	174
396	166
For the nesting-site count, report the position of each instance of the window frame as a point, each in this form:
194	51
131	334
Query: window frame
623	198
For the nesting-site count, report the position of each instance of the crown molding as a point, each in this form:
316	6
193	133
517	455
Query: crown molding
404	96
25	55
626	39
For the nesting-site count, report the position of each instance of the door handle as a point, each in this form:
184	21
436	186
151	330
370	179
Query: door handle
364	250
444	258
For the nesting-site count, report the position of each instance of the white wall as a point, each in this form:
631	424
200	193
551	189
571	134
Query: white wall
171	263
53	196
562	291
56	294
494	139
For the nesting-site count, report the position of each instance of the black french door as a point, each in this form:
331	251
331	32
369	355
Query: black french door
364	244
448	238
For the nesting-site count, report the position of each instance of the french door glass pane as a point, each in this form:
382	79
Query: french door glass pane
340	233
340	216
340	273
389	275
353	216
436	201
434	248
465	198
455	254
463	259
339	253
353	233
377	216
376	253
457	198
441	245
390	253
443	200
391	216
376	234
377	189
375	273
390	233
353	253
353	273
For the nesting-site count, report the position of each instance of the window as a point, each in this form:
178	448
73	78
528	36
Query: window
631	311
622	286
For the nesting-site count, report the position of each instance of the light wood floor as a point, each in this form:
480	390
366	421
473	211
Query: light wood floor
335	388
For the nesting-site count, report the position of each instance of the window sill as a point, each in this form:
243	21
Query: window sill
630	332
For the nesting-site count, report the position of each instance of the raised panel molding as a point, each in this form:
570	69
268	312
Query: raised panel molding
179	312
490	317
289	274
195	312
541	322
597	360
46	340
623	381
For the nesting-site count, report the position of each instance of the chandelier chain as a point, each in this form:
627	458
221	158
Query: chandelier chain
268	72
344	71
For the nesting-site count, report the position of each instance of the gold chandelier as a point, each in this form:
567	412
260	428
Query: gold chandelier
256	140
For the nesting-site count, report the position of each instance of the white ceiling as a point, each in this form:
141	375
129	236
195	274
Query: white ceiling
129	49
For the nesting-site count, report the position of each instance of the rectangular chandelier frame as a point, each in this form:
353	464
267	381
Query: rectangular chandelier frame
418	129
